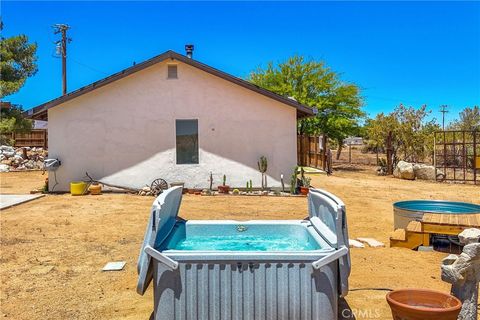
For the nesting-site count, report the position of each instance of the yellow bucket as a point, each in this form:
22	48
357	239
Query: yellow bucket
77	188
477	163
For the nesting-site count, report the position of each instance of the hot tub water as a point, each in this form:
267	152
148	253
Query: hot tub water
244	243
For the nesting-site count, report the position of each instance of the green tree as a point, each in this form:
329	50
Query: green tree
469	120
313	84
412	133
13	120
17	62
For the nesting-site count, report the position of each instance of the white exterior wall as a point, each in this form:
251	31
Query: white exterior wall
124	133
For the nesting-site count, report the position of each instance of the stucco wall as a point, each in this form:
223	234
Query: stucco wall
124	132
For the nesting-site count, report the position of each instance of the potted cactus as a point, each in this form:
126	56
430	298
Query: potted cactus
224	188
305	187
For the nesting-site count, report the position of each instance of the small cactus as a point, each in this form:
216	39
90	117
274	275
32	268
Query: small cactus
262	167
224	180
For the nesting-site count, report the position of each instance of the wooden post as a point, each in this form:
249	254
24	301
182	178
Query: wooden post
389	153
475	169
349	153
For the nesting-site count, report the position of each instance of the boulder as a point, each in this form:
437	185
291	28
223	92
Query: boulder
7	149
424	171
4	168
29	164
404	170
7	162
8	154
468	236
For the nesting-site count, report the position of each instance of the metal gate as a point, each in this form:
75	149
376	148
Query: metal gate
457	156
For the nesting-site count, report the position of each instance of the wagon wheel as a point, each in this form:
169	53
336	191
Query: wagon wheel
157	186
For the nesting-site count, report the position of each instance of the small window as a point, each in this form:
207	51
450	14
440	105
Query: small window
187	141
172	71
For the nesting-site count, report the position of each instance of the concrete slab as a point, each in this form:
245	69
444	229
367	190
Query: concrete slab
355	244
114	266
10	200
371	242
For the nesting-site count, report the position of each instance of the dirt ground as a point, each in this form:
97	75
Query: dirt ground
53	249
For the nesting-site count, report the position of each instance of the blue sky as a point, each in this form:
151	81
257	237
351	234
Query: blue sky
398	52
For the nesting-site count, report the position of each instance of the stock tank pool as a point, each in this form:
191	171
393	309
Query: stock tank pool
406	211
259	269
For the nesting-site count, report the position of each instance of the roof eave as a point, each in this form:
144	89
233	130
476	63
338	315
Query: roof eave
40	110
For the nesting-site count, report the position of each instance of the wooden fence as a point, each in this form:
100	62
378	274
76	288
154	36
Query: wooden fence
34	138
311	151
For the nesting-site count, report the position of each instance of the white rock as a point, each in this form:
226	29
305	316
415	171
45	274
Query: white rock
8	154
424	172
4	168
404	170
372	242
7	148
29	164
468	236
2	157
146	189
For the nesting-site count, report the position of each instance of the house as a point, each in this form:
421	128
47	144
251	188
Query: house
175	118
353	141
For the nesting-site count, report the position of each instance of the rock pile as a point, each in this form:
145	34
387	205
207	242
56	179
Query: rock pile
412	171
145	191
24	158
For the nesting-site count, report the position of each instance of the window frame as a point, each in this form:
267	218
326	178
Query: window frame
198	142
170	65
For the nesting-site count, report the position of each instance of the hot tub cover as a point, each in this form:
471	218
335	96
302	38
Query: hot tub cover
162	219
328	211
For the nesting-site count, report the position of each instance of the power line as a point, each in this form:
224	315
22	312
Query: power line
89	67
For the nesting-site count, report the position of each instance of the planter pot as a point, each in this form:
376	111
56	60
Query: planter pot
304	190
197	192
95	189
423	304
191	191
223	189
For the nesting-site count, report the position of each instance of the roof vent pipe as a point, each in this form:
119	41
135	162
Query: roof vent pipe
189	50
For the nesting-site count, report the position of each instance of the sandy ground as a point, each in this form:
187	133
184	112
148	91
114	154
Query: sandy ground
53	249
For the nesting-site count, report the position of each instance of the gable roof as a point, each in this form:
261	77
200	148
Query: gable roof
40	112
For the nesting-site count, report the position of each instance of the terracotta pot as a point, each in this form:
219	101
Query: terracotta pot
95	189
423	304
304	190
191	191
223	189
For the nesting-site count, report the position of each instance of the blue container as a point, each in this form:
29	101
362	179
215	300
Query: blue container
406	211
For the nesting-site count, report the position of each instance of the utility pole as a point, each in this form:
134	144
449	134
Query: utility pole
443	110
62	51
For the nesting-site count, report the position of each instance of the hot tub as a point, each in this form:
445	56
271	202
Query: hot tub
406	211
218	269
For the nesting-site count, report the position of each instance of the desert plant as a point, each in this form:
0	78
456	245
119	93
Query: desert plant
293	181
250	188
236	191
262	167
306	181
224	180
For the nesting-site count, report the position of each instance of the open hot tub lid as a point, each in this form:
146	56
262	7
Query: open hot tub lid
328	213
162	220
